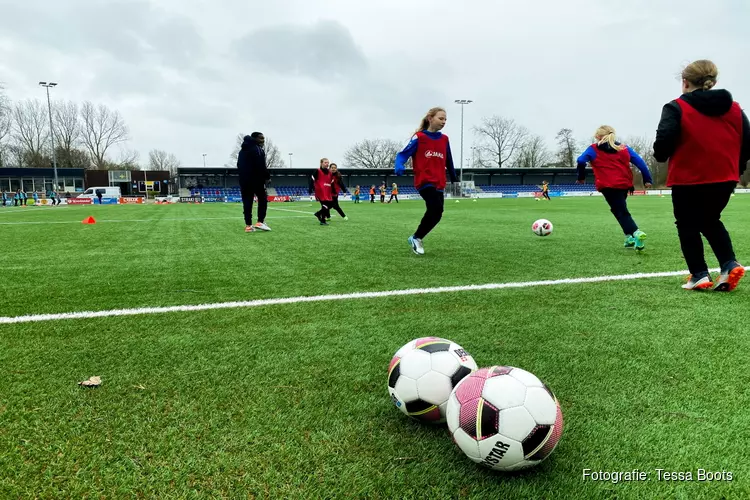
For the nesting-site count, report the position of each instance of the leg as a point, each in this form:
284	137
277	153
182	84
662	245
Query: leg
687	214
434	202
262	194
617	200
246	191
715	199
337	207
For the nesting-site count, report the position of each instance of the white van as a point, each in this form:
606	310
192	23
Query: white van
106	191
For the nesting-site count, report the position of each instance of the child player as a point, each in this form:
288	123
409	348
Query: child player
430	152
320	184
611	161
705	135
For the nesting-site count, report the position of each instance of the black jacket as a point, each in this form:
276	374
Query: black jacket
251	162
708	102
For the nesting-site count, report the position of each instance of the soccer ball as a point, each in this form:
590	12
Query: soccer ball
542	227
422	375
504	418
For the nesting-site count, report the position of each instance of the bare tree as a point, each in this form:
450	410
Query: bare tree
499	141
128	160
102	129
533	153
161	160
567	148
643	146
273	155
372	153
5	120
67	124
31	130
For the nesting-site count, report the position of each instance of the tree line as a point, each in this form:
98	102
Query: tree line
501	142
85	136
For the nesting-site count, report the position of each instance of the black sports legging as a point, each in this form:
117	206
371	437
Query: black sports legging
393	197
335	206
434	201
546	195
697	210
324	212
617	200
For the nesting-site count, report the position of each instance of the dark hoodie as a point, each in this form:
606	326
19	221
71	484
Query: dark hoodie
251	162
707	102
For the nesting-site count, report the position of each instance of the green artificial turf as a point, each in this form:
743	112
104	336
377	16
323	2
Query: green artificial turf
290	401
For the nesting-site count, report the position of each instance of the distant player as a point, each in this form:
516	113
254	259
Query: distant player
320	184
372	194
356	194
383	190
545	190
430	152
337	186
705	135
611	161
394	193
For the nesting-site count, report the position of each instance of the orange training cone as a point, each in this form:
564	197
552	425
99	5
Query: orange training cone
89	220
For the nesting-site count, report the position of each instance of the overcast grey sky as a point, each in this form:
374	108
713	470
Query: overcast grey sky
318	75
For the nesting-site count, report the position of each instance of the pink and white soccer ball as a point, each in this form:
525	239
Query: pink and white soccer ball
504	418
542	227
422	375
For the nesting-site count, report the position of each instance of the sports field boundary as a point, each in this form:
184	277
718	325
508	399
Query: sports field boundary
35	318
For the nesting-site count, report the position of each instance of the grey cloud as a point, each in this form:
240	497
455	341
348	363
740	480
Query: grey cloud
131	32
321	51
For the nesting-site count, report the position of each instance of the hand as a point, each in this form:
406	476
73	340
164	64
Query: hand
580	182
648	185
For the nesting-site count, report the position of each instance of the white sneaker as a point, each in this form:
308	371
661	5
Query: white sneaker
416	245
262	226
346	218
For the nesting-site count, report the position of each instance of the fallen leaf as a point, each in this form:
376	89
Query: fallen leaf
139	386
92	382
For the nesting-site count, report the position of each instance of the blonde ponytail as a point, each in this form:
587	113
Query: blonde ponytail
606	134
425	123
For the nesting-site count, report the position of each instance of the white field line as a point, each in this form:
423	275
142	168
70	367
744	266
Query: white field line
144	220
290	210
323	298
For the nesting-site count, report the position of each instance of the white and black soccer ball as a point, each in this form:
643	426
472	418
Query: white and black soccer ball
542	227
422	375
504	418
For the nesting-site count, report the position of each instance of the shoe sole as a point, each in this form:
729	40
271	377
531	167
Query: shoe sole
701	287
735	275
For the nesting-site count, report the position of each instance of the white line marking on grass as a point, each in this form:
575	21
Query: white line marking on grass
144	220
322	298
290	210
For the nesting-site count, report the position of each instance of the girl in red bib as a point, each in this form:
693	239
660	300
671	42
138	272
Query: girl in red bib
430	152
705	136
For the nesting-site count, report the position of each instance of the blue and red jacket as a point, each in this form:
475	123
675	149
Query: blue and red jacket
431	155
612	167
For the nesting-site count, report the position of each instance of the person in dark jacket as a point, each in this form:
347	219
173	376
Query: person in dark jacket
705	136
254	174
337	186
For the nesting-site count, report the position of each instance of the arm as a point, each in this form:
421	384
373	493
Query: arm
403	156
449	164
340	180
636	160
588	156
313	178
668	132
745	151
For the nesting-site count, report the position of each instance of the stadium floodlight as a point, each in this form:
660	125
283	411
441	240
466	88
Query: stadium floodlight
462	102
51	130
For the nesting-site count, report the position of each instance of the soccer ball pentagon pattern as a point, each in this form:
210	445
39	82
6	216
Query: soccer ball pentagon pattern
422	375
504	418
542	227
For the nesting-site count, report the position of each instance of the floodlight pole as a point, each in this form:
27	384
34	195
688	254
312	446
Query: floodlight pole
51	129
462	102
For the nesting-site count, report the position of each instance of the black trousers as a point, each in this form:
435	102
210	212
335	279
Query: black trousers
393	197
618	204
335	206
248	190
546	195
324	212
372	198
434	201
697	211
